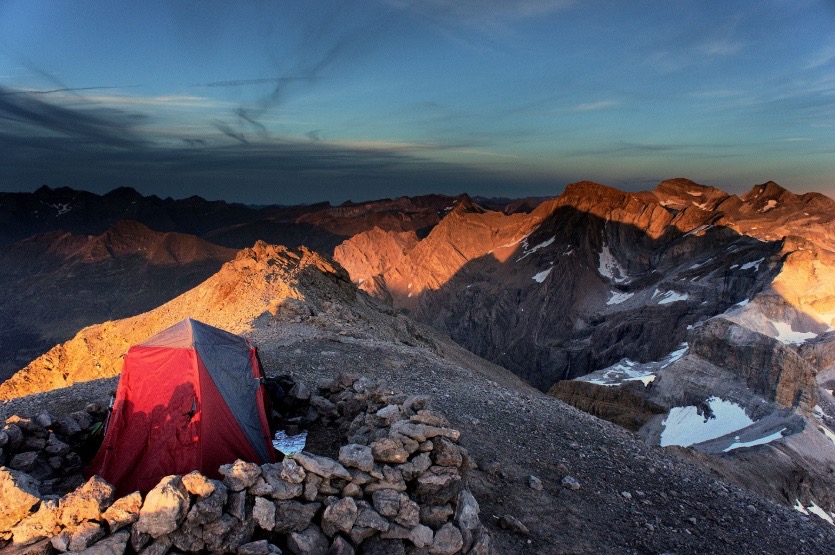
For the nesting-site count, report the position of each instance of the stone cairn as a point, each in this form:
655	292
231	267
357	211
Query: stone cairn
397	486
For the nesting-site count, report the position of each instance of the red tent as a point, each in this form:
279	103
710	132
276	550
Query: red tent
189	398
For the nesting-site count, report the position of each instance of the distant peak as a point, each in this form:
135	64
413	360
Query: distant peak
766	191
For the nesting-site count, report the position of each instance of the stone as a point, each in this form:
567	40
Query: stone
197	484
209	509
569	482
322	466
261	486
323	406
32	443
291	471
279	488
159	547
61	541
446	453
138	540
359	477
37	526
25	461
534	483
386	502
310	541
438	485
435	516
14	435
240	534
482	543
369	518
422	432
83	419
240	474
188	538
44	419
409	513
87	502
260	547
115	544
352	490
388	450
447	540
430	418
236	504
84	535
300	391
510	522
215	531
19	493
4	438
339	517
67	426
165	507
388	414
421	536
379	546
123	512
417	466
55	446
341	547
466	511
396	532
311	486
357	456
292	516
409	444
264	513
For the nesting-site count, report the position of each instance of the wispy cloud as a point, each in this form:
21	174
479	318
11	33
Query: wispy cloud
721	47
822	57
599	105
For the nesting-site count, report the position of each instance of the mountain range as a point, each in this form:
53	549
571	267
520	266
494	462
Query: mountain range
690	316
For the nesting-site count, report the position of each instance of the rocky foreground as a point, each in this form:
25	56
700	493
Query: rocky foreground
397	484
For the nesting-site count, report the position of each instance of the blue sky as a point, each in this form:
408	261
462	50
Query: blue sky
303	101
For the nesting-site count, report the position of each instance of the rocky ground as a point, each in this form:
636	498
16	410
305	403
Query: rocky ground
550	479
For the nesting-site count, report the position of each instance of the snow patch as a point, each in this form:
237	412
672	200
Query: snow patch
755	264
685	426
787	335
609	267
695	193
768	206
61	207
670	297
817	511
621	372
535	248
619	297
540	277
759	441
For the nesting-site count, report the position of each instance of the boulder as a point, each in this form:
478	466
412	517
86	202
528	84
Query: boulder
20	494
339	517
421	536
115	544
357	456
446	453
240	474
87	502
292	516
310	541
446	541
322	466
165	507
37	526
264	513
84	535
389	450
197	484
291	471
386	502
123	512
341	547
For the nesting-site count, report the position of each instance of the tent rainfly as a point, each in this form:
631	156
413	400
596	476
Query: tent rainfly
189	398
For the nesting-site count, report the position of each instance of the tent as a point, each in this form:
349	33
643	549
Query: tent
189	398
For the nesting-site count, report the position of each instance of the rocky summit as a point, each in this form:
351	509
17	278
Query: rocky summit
693	328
